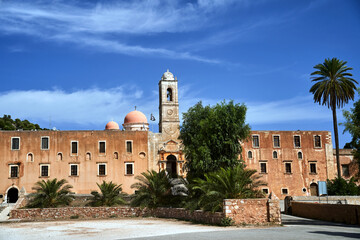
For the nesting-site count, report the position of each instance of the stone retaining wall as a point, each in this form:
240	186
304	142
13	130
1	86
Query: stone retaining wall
349	214
242	211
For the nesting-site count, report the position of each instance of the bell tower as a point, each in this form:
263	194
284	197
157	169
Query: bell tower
169	123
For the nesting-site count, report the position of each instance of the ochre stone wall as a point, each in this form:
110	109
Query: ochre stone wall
342	213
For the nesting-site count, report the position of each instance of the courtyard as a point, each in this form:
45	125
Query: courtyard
153	228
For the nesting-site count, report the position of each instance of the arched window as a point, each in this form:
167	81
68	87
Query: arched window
300	155
275	155
59	156
116	155
169	95
30	157
88	156
250	154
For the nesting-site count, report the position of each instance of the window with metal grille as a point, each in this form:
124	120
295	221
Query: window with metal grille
44	170
15	143
129	146
129	168
317	141
265	190
74	147
297	141
276	141
284	191
287	167
250	155
14	171
300	155
102	169
255	140
312	167
102	147
44	143
275	154
345	170
262	167
73	170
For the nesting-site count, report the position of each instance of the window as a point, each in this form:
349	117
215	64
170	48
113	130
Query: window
102	146
14	171
284	191
255	140
275	154
169	95
29	157
116	155
44	170
74	168
44	143
88	156
59	156
74	147
129	168
265	190
129	146
15	143
102	169
345	170
288	167
297	141
250	154
276	140
300	155
317	141
313	168
263	167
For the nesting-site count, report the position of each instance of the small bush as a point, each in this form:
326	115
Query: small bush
113	216
226	221
74	217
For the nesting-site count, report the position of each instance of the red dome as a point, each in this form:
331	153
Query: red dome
111	125
135	117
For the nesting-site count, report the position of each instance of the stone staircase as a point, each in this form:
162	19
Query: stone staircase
6	208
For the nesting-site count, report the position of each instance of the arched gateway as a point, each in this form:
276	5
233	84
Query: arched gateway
171	165
12	195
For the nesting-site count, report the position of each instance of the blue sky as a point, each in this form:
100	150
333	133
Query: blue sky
79	64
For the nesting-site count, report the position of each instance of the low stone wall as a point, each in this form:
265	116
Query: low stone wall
349	214
184	214
242	211
253	211
76	212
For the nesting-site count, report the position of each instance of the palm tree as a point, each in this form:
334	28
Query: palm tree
50	193
111	194
333	87
153	189
227	183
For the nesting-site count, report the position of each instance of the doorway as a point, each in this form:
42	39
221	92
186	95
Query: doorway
12	195
314	189
171	165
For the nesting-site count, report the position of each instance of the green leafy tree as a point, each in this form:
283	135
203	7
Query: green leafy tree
333	87
341	187
352	125
50	194
111	195
227	183
153	190
7	123
211	136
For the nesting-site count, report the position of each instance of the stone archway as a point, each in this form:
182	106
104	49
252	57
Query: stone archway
171	168
12	195
314	189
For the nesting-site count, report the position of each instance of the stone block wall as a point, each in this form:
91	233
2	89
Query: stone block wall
342	213
79	212
184	214
246	211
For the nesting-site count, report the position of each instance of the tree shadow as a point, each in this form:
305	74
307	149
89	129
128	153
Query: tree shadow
293	220
339	234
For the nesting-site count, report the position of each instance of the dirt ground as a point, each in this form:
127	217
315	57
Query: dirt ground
96	229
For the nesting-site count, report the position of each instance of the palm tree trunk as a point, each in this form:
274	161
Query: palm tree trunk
336	140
